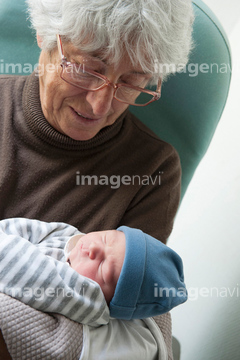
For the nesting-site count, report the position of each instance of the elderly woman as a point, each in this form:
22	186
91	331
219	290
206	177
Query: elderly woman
66	133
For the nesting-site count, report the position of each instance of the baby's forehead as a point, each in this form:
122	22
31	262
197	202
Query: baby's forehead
110	233
107	236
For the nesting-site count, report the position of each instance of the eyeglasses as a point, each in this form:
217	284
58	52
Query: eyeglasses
81	76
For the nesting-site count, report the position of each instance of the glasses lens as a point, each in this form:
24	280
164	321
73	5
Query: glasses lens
78	76
132	96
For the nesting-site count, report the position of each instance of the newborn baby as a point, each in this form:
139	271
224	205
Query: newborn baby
139	276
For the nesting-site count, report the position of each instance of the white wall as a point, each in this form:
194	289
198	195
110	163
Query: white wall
207	229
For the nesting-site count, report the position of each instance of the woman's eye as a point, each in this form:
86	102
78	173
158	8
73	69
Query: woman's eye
134	81
94	66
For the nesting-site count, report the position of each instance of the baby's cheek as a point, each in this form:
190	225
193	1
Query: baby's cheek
108	292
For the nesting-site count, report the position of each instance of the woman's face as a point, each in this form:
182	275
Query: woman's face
77	113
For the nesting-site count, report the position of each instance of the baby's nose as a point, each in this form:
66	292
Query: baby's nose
96	251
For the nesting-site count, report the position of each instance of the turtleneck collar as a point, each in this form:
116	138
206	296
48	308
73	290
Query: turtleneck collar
41	128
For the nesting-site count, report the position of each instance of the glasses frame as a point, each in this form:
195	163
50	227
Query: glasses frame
64	64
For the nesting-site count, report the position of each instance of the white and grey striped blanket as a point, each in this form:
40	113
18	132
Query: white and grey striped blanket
33	269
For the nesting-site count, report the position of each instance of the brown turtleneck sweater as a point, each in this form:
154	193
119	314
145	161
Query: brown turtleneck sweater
42	170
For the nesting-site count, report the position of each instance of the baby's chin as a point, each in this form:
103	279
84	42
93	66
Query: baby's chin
108	292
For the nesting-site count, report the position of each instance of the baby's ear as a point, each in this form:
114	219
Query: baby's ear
39	40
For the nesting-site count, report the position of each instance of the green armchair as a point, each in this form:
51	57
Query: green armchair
192	101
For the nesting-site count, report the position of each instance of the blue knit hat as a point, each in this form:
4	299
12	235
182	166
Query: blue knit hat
151	281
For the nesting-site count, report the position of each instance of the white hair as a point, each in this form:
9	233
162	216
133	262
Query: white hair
153	32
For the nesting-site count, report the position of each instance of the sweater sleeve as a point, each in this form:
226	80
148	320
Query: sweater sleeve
42	282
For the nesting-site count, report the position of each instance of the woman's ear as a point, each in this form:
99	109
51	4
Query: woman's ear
39	41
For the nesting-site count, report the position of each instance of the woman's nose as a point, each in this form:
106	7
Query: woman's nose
101	101
96	251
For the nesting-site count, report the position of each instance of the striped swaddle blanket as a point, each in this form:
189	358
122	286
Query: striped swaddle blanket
33	269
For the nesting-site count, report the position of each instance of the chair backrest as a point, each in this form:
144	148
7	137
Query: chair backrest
192	102
19	51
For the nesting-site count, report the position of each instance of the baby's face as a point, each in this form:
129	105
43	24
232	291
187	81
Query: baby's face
99	256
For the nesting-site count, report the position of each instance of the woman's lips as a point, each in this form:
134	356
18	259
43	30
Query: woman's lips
85	116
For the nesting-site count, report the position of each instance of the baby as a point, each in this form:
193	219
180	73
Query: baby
127	264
